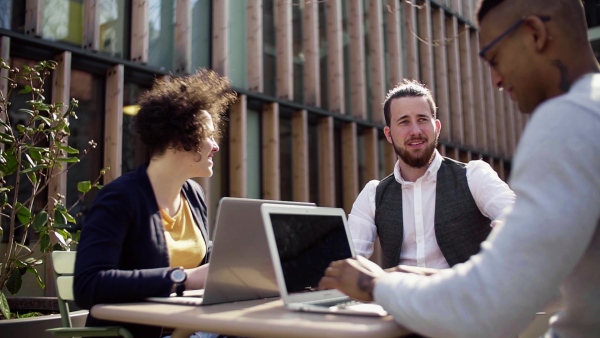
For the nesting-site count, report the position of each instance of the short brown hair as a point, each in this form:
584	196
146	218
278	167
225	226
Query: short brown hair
408	88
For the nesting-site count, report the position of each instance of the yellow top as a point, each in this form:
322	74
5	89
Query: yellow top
184	239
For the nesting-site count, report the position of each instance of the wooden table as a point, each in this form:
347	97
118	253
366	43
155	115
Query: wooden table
254	318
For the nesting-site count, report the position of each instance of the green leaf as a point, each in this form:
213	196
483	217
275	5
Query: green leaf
67	159
45	242
34	169
23	214
32	177
6	138
84	186
25	90
34	271
14	282
59	217
40	221
4	308
44	119
67	149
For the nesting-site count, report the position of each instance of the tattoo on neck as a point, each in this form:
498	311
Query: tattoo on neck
364	283
564	84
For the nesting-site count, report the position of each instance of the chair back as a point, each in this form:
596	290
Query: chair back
63	263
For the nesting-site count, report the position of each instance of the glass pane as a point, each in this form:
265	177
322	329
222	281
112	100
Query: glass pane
112	27
201	38
270	54
285	157
298	58
63	20
134	151
88	90
5	13
253	159
161	26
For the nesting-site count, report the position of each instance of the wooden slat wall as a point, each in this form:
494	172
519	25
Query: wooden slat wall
300	181
425	45
490	100
358	85
220	25
466	72
349	165
310	45
91	25
326	164
183	37
254	36
335	57
478	94
5	55
454	82
389	160
113	122
283	38
500	122
441	93
410	40
238	157
510	126
139	31
34	17
393	35
377	64
371	160
270	152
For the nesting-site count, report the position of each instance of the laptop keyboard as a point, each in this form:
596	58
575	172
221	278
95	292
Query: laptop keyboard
340	304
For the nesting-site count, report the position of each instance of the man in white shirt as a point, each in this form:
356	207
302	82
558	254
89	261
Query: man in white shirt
539	53
432	211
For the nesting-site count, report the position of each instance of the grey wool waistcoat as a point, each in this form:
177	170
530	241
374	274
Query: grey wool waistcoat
459	225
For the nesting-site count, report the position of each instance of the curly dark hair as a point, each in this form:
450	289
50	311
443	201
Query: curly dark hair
170	115
408	88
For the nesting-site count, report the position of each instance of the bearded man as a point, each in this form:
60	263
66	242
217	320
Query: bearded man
432	212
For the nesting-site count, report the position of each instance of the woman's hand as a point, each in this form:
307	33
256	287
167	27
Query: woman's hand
196	277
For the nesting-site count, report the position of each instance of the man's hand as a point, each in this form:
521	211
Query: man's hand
354	277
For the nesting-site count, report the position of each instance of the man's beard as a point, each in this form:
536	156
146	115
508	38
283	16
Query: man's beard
419	161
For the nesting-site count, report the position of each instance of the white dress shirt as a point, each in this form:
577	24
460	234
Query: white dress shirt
419	245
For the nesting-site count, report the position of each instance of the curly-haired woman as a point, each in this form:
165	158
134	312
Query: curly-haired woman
146	232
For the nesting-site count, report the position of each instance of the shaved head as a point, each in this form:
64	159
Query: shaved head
567	14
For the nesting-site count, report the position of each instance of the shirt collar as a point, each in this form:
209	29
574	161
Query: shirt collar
430	174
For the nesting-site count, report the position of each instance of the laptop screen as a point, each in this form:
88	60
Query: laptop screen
306	245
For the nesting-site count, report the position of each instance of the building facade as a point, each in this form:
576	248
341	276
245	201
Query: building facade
311	77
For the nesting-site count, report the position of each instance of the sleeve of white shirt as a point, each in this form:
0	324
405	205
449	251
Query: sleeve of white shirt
521	265
491	194
361	220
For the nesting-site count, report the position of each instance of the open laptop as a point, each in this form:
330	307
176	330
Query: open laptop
240	263
303	241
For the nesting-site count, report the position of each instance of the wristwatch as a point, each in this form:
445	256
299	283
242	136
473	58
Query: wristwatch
178	277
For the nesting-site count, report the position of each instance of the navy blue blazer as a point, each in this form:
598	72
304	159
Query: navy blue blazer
122	255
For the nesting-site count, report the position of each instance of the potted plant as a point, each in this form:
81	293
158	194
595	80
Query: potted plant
33	152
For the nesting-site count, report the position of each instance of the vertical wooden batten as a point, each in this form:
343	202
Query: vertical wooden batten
300	180
492	136
390	158
371	142
500	121
478	95
310	46
254	36
220	32
335	56
510	126
91	25
34	17
466	79
358	82
61	92
4	55
377	64
283	42
393	34
441	93
270	152
425	46
454	81
410	40
238	161
113	122
349	165
326	164
183	37
139	31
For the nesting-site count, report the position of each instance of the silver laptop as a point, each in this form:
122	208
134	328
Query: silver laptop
240	263
303	240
